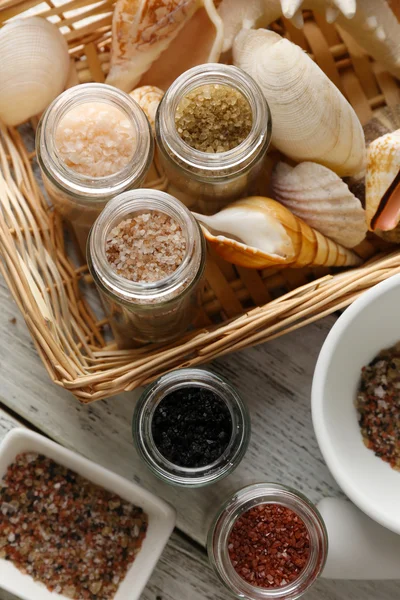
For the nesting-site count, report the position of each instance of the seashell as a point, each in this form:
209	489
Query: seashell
319	197
258	232
384	121
382	182
34	67
148	97
152	40
312	120
372	23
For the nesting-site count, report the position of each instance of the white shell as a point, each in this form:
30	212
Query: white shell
383	166
34	67
319	197
148	97
371	23
311	119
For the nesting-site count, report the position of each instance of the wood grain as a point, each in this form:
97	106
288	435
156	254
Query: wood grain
274	379
183	571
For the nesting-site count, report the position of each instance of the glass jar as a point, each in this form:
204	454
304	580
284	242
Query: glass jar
213	179
80	198
241	502
143	437
148	312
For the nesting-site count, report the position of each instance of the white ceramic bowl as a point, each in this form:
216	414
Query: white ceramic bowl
370	324
161	516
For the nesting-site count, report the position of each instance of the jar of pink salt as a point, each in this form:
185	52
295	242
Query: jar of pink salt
93	142
146	253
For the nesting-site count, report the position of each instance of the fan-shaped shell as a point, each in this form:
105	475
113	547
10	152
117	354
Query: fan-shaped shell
154	41
287	240
383	167
319	197
34	65
311	119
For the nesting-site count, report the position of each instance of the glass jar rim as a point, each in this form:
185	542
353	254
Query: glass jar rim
238	504
120	207
238	159
144	442
77	184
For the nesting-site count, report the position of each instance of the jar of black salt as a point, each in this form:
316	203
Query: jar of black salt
191	427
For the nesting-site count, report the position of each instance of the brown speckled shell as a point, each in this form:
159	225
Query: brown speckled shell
144	29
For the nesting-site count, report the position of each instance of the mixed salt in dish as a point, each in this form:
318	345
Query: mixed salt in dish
378	405
73	536
214	118
269	546
146	247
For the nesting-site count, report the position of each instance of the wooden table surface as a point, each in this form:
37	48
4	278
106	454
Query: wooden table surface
275	381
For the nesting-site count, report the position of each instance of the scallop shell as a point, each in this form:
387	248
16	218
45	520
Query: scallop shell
319	197
372	23
236	234
311	119
153	40
383	167
148	97
34	67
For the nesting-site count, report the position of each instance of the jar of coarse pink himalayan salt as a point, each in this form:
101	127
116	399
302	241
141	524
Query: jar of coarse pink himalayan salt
92	143
146	253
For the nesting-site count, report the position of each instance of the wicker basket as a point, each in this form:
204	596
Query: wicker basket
241	307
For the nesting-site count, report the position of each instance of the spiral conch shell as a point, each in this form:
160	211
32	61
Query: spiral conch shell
148	97
312	120
154	41
382	182
258	232
319	197
372	23
34	65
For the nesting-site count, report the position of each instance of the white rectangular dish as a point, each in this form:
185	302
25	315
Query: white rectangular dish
161	516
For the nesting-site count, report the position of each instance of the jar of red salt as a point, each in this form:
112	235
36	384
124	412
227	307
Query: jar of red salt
268	542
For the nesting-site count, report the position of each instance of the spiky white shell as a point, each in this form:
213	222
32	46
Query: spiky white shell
311	119
372	23
319	197
34	65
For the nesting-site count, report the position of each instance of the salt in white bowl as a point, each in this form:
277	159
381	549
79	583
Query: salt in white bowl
369	325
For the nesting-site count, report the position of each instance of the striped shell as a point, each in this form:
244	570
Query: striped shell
296	244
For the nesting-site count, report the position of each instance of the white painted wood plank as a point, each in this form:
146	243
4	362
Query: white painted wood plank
183	572
274	379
